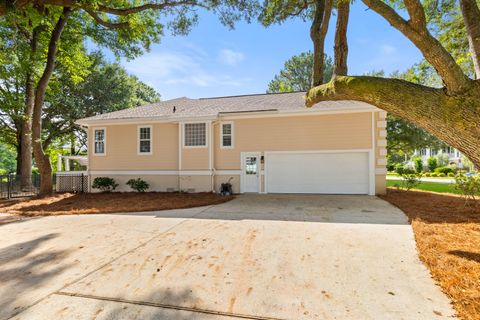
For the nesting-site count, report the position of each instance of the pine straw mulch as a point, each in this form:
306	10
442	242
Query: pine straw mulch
448	240
88	203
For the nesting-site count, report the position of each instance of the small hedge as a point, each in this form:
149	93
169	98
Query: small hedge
138	185
444	170
105	184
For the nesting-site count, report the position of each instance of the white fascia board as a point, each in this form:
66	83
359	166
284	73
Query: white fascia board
149	120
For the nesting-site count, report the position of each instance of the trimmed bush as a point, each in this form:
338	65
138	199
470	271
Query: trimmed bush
427	174
444	170
138	184
105	184
451	174
432	163
441	175
418	163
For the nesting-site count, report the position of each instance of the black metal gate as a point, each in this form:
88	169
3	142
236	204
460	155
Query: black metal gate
70	182
12	186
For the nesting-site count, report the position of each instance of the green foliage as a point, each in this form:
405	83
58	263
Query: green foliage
469	187
401	169
296	74
7	159
444	170
432	163
104	184
410	179
138	184
418	162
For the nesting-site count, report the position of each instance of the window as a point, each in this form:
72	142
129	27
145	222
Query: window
195	134
145	140
226	135
99	141
423	152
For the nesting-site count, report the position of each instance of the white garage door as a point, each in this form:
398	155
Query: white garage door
335	173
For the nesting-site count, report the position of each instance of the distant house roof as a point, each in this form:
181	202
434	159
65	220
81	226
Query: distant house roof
186	108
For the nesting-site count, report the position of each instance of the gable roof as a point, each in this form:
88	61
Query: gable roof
204	108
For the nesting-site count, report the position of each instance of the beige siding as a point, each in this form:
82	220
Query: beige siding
195	159
121	149
196	183
340	131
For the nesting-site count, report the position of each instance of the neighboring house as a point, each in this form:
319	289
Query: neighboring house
267	143
454	156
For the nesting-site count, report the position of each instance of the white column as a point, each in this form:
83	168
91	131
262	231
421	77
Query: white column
59	163
67	164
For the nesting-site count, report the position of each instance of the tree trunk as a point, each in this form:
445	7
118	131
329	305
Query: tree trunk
18	148
318	32
26	134
42	159
341	45
453	119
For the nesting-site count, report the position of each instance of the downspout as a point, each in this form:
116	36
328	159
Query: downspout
212	155
179	154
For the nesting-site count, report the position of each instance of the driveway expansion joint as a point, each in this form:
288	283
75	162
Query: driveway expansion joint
167	306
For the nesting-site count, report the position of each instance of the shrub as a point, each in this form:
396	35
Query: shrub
451	174
441	175
105	184
410	179
399	168
444	170
418	163
469	187
432	163
138	184
427	174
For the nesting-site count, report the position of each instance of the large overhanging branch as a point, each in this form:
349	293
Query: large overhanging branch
107	24
124	11
471	17
416	31
444	116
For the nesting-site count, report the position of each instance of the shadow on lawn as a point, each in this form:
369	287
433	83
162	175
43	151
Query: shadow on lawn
23	270
434	207
473	256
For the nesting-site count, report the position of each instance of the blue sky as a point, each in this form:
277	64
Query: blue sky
215	61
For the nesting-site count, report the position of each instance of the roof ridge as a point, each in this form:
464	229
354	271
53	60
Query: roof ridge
252	95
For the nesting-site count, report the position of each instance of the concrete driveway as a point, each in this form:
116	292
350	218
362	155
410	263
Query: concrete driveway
256	257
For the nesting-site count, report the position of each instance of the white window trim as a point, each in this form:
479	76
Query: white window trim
232	134
104	141
138	140
206	135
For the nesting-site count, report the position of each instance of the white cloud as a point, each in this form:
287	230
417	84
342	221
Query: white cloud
230	57
388	49
176	68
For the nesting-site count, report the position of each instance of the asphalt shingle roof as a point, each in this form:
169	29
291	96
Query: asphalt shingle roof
212	107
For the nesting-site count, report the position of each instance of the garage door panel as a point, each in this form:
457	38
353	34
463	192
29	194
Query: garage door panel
342	173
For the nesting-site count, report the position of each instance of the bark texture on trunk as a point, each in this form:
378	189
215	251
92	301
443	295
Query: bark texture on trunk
318	32
471	17
454	119
43	160
340	48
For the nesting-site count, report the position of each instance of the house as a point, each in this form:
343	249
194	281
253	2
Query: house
263	143
451	155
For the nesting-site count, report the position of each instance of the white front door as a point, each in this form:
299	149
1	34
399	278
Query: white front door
250	172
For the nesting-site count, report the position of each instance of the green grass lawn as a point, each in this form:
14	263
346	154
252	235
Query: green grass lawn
428	186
